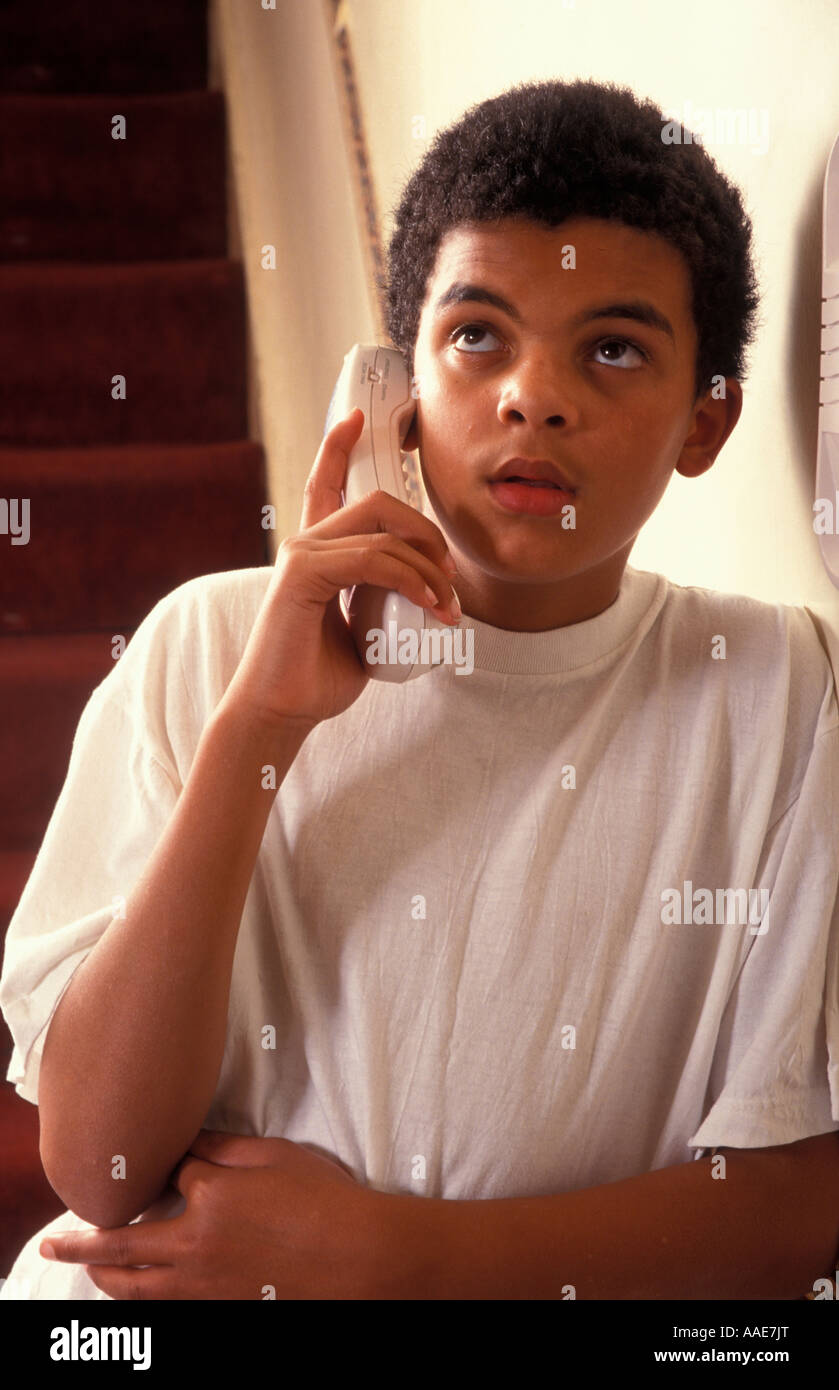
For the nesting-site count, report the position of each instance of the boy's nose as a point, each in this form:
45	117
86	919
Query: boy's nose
537	391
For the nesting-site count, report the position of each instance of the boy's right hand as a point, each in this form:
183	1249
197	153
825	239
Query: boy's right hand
300	665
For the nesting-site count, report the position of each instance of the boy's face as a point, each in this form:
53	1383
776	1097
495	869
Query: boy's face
606	399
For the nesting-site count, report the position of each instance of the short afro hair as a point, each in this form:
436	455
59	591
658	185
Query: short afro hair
549	151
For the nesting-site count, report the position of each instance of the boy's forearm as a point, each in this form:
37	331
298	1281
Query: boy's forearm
766	1230
133	1052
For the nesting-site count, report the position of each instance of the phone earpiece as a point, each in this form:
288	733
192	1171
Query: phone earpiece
386	627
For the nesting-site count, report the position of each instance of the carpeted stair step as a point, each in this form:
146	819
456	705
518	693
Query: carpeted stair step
70	192
174	331
148	518
26	1199
44	685
87	46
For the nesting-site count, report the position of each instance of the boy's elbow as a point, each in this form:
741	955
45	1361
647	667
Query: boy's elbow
103	1206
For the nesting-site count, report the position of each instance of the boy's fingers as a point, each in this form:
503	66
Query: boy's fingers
322	493
126	1245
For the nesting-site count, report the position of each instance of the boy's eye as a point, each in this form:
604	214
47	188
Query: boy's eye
472	338
620	343
473	330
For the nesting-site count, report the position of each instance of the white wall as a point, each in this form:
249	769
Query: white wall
747	524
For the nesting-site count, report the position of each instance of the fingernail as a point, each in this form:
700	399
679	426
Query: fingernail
431	596
47	1250
448	564
454	606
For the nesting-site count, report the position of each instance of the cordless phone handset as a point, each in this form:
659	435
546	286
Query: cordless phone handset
376	379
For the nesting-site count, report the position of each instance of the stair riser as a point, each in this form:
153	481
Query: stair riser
70	192
84	46
145	533
175	333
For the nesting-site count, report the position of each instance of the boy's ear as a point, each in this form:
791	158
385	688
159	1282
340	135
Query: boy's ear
713	422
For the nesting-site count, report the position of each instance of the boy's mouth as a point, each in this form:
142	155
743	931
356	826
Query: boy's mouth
531	482
533	473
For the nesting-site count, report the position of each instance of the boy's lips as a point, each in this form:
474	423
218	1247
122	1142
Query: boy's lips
533	470
534	499
535	487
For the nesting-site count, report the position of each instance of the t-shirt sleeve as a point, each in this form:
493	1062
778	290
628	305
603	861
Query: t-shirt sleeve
775	1074
120	789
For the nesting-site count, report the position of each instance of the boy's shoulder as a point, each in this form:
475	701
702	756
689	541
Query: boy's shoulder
765	655
187	647
205	611
224	597
746	627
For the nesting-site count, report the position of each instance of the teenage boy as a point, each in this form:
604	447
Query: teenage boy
545	958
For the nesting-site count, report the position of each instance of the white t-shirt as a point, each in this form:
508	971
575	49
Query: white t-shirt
461	921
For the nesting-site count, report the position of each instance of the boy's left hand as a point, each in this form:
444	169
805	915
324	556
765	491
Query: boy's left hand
264	1218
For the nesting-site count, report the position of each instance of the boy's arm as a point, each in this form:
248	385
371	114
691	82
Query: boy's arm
766	1230
133	1051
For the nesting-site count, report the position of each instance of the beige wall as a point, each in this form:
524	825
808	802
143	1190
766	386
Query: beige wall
747	525
290	182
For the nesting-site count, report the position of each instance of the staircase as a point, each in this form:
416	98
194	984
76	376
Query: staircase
123	400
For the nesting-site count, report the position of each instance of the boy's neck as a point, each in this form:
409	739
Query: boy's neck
523	607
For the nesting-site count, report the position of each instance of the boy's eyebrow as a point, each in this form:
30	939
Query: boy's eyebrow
638	309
